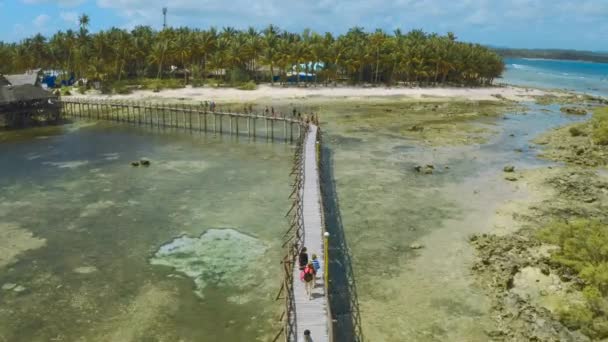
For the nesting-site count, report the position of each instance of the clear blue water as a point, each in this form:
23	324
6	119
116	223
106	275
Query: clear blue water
583	77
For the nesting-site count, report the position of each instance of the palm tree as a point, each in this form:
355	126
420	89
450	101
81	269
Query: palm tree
414	57
158	54
206	44
182	47
270	49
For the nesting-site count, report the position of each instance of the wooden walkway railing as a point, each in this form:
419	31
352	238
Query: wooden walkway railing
184	116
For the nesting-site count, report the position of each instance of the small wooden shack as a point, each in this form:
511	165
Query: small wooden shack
27	104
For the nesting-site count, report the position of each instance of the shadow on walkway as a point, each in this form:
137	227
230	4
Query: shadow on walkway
343	298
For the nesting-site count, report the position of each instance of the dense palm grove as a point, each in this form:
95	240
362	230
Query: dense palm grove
236	56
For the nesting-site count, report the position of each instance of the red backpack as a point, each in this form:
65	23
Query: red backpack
308	274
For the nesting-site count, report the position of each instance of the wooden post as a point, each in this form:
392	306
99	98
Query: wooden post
266	123
221	124
214	123
291	132
272	129
205	118
284	130
200	123
190	116
255	118
237	125
230	118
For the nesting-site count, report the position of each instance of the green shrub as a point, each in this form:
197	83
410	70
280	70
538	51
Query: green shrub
65	91
237	76
600	126
576	132
82	89
583	247
575	316
106	88
121	89
159	84
248	86
198	82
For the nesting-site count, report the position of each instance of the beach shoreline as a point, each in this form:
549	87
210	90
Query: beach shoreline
269	92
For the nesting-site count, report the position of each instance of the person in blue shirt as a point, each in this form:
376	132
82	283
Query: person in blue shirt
315	263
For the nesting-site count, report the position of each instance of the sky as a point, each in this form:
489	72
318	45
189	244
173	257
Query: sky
568	24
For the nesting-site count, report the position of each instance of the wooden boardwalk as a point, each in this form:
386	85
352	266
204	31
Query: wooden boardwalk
311	314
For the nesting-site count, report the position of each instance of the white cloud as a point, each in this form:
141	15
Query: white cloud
41	20
337	15
61	3
70	17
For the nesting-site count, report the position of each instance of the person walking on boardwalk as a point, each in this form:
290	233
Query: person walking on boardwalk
307	337
315	263
309	279
303	259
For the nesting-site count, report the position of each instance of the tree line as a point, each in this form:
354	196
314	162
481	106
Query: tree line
235	55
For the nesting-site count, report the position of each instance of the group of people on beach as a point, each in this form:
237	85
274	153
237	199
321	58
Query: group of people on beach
308	270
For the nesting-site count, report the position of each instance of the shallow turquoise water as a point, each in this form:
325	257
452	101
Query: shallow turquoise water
102	220
579	76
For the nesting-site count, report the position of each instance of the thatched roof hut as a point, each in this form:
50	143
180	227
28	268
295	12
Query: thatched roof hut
27	104
24	93
29	77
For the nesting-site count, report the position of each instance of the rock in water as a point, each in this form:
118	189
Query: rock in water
19	289
416	246
427	170
573	110
145	162
8	286
417	128
509	168
135	163
511	178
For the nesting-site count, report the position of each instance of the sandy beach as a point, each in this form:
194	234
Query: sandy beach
281	93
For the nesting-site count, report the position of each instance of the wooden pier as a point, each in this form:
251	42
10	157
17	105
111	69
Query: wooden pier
184	116
312	314
307	225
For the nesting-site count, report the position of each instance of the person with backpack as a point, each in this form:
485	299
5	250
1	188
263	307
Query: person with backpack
315	263
309	279
303	259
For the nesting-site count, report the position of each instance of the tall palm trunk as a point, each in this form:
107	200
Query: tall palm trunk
271	73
